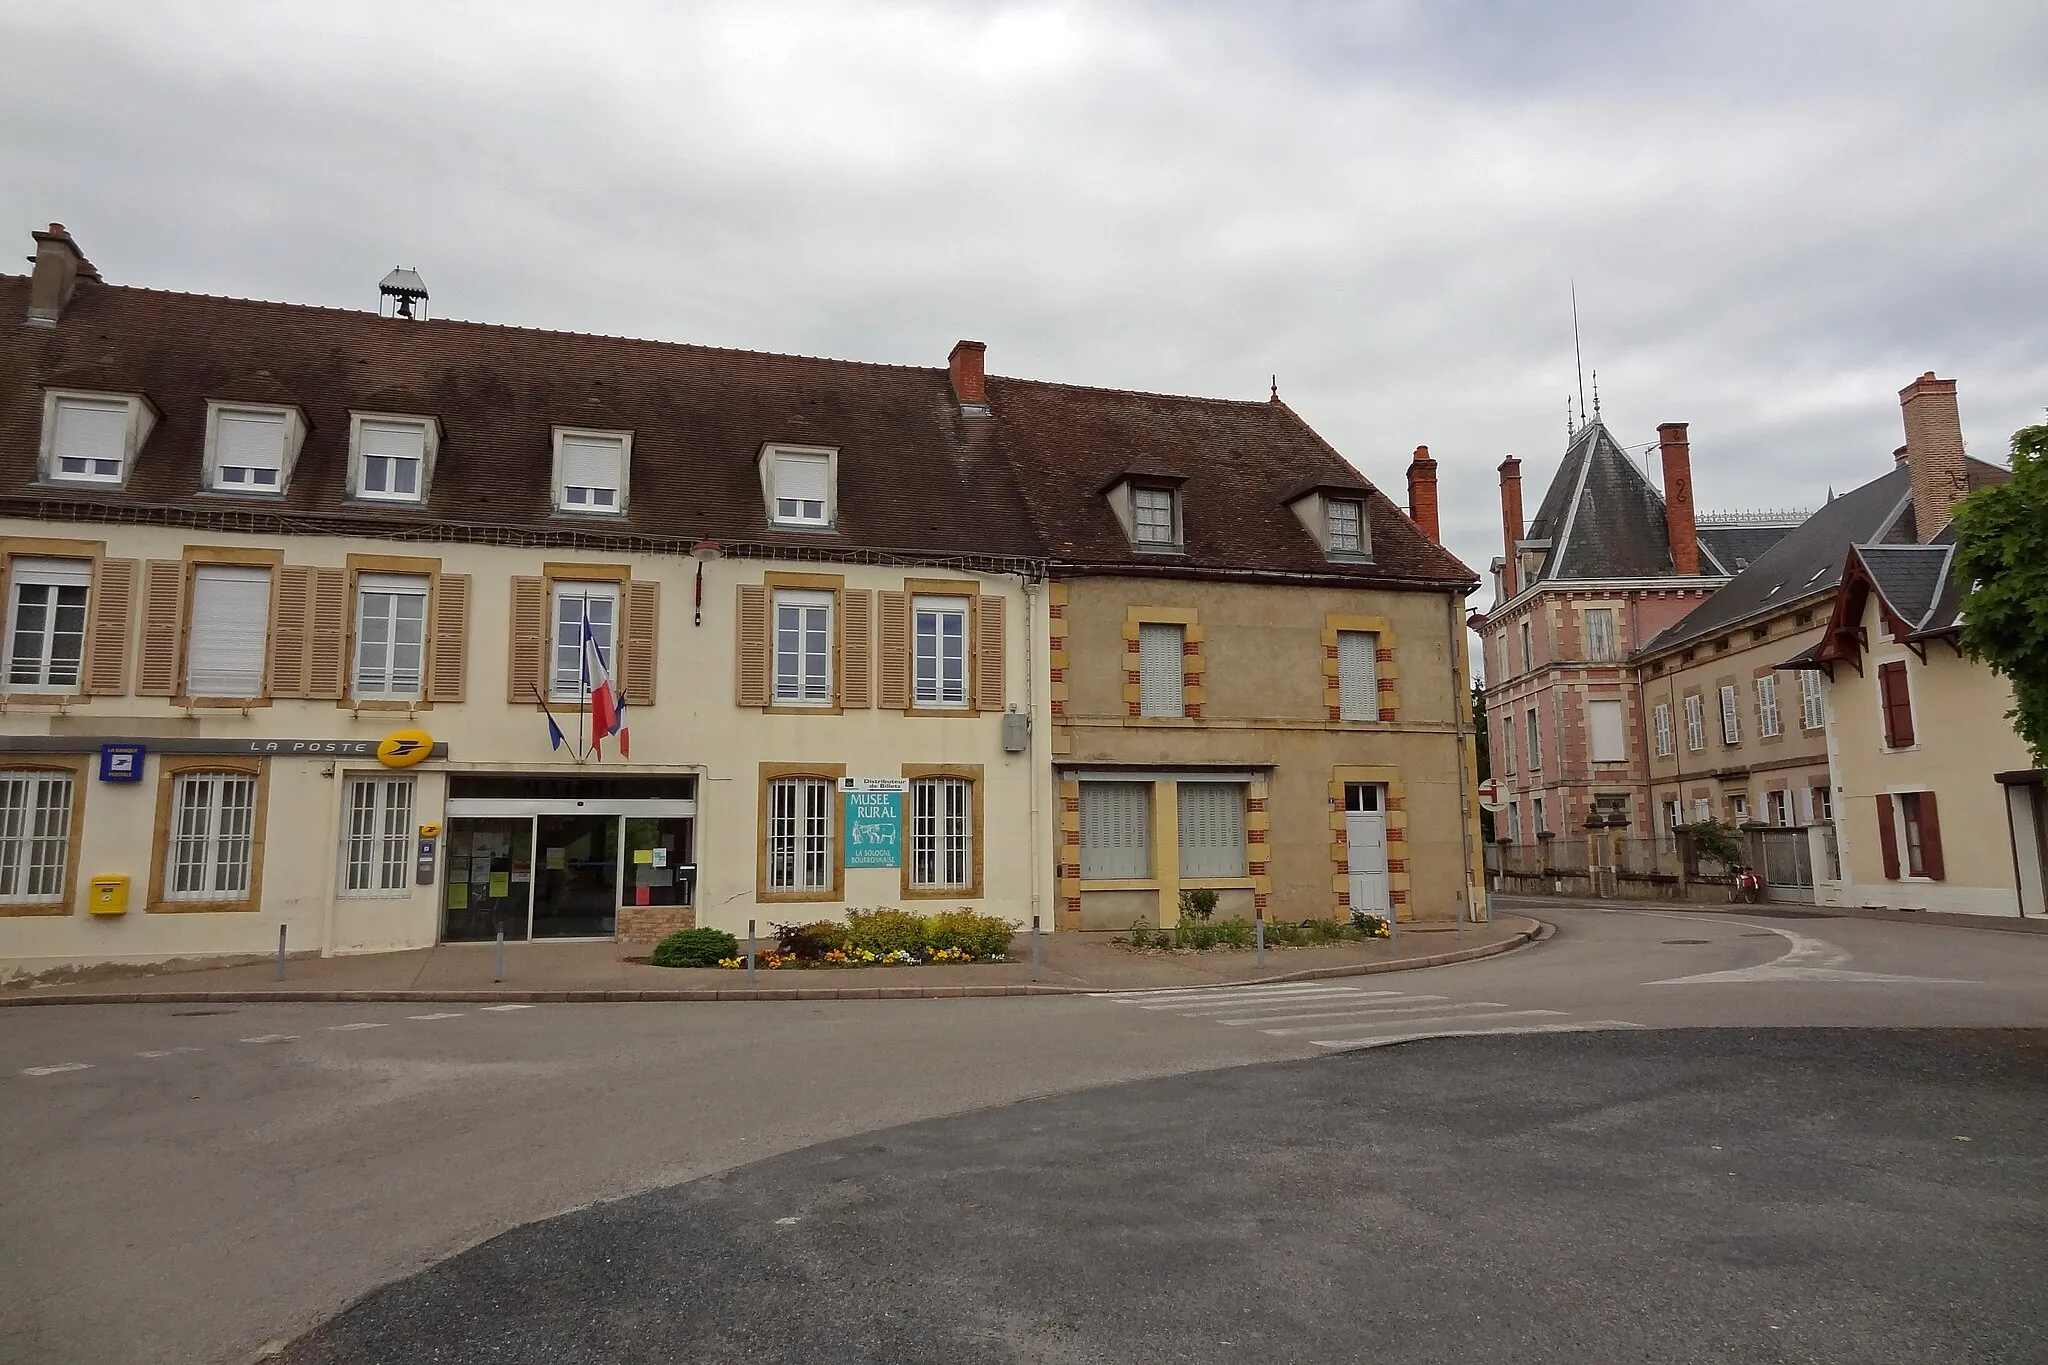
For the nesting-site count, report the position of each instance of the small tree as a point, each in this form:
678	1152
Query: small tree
1718	841
2002	552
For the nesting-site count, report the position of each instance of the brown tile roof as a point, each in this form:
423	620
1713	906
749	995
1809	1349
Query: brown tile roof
915	475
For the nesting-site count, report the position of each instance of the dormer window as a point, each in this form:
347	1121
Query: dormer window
1347	525
93	437
590	471
391	457
1335	515
1152	517
800	483
251	449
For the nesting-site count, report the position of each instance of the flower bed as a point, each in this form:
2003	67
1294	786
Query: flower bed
1201	935
867	938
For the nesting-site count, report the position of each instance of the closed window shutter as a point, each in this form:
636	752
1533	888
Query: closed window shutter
1887	837
893	647
163	604
448	656
88	430
990	660
590	462
252	440
803	477
527	664
1930	839
226	637
1115	840
327	643
291	628
1897	699
1212	834
642	615
1358	675
750	686
1161	679
1604	721
856	649
113	606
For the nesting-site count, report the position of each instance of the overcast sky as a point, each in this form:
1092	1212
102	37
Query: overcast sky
1776	214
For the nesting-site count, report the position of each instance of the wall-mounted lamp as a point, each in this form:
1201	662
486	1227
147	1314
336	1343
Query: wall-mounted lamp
703	552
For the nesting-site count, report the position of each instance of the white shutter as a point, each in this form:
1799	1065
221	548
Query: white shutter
1358	675
90	430
590	462
1731	722
1663	730
252	440
1115	834
403	441
1212	829
1160	677
1603	721
59	573
1767	706
804	478
230	622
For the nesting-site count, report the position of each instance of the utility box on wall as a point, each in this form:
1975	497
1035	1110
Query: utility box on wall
107	895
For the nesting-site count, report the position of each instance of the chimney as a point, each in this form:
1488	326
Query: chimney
965	362
1934	452
1422	493
60	265
1678	519
1511	524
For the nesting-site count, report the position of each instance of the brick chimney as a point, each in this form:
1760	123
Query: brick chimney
1422	493
969	385
1511	530
1934	452
1679	525
60	265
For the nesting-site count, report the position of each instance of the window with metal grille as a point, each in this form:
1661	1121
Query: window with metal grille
590	472
939	662
46	623
1161	679
1812	714
391	636
1695	722
1600	633
377	852
35	836
803	649
248	451
799	834
1152	516
576	603
90	441
1212	837
1731	717
1767	722
393	460
1116	835
803	486
1663	729
941	833
213	825
1347	526
230	626
1358	675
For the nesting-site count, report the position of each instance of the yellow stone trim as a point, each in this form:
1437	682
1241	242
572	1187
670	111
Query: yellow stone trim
1257	822
1193	663
1397	830
1379	625
1158	616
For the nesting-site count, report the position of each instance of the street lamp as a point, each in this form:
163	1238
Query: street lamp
703	552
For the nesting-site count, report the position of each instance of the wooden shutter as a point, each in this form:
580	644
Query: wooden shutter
291	625
163	606
448	651
327	636
113	607
643	627
990	659
1930	839
1887	837
893	644
526	668
1897	700
750	648
856	649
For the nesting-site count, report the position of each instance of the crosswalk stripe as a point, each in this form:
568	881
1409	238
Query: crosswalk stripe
1270	1002
166	1051
1409	1023
273	1038
1358	1044
56	1068
352	1028
1379	1009
500	1008
424	1018
1180	994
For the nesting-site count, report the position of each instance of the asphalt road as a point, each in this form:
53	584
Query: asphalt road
184	1185
1672	1197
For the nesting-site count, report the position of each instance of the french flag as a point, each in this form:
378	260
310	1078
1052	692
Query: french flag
607	707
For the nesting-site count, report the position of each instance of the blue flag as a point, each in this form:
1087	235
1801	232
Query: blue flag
555	736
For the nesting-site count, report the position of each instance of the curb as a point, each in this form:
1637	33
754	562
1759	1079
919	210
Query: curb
1538	931
1946	919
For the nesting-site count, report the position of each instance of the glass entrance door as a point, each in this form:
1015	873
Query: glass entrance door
576	882
490	864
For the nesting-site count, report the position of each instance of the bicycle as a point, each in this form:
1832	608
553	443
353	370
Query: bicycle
1745	886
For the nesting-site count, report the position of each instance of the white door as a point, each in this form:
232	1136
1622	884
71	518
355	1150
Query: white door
1365	839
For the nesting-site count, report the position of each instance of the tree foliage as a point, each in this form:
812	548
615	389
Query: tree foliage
2002	550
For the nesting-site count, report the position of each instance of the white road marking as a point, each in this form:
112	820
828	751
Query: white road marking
166	1051
1382	1009
1306	997
507	1007
351	1028
1805	959
56	1069
273	1038
1409	1023
1356	1044
1196	994
429	1017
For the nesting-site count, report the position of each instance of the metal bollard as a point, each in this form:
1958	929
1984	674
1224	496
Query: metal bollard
750	952
1393	928
1034	947
498	957
280	952
1259	938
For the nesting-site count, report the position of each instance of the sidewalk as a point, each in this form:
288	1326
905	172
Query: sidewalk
1070	964
2010	924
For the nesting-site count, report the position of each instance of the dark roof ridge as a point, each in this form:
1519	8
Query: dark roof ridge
1134	393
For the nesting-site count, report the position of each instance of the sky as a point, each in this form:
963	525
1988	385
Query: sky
1774	215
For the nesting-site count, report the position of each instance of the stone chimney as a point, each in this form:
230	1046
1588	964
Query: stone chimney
969	385
60	265
1934	452
1679	524
1422	493
1511	530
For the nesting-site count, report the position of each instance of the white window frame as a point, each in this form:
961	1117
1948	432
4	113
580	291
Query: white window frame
1601	644
1358	698
1672	813
1731	715
377	857
1358	540
1664	735
35	835
1507	743
141	416
1514	821
1528	647
1161	698
1778	807
1139	493
799	834
364	687
1812	701
1620	735
1702	809
1535	742
291	425
565	493
1216	856
359	456
930	688
1768	723
807	688
201	847
226	574
1538	815
565	639
1738	808
772	457
941	833
1695	722
1129	856
56	577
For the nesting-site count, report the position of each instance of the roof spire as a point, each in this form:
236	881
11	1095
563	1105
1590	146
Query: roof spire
1569	430
1578	357
1596	395
1276	389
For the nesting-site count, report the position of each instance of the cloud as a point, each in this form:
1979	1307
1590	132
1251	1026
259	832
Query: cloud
1775	215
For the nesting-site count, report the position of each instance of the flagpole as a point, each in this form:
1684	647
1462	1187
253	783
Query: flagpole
548	711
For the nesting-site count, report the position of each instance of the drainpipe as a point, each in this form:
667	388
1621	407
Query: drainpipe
1461	692
1037	863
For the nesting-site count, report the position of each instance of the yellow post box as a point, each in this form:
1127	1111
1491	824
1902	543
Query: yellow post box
107	896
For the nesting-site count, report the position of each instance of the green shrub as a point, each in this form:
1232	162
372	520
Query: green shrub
1197	905
882	932
695	948
1144	935
987	937
809	942
1366	925
1201	936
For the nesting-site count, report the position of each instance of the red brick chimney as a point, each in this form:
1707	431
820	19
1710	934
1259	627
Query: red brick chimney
969	386
1422	493
1934	452
1678	517
60	265
1511	530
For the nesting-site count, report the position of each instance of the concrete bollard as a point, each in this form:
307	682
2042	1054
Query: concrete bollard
280	952
498	957
750	952
1259	937
1034	947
